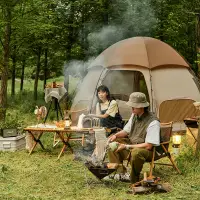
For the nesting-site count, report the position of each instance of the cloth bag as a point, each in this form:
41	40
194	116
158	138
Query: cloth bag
101	143
80	121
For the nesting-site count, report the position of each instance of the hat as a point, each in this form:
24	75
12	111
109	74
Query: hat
137	100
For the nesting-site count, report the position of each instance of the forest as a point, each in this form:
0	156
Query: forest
55	41
44	39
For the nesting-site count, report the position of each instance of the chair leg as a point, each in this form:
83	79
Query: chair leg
174	165
152	162
82	142
56	140
170	158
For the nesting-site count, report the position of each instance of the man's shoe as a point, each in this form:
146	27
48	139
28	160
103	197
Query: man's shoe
122	177
119	177
109	177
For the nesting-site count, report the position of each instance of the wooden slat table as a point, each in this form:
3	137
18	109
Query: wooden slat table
65	136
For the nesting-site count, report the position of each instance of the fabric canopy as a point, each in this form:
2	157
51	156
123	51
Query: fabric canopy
140	51
141	60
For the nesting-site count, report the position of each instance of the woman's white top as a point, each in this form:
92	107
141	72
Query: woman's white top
112	109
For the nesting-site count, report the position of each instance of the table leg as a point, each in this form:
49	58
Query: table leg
65	142
56	139
36	140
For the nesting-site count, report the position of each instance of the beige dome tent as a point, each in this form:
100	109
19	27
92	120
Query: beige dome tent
141	64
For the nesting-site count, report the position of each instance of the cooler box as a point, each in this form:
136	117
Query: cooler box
12	143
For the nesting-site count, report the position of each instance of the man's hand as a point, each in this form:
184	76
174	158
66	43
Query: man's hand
111	138
121	147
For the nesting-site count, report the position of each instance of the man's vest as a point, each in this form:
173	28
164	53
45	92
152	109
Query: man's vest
139	127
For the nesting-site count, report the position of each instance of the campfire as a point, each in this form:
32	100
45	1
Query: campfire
100	168
103	170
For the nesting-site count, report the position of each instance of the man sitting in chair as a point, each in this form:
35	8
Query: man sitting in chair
139	135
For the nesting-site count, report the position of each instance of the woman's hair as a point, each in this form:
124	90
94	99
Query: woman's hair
103	88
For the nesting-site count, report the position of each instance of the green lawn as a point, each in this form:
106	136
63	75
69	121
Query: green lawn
42	176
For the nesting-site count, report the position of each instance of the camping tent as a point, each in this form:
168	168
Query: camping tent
141	64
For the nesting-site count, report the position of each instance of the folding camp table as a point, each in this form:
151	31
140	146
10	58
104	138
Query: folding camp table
65	135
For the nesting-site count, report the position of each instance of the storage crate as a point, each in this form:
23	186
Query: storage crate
12	143
8	132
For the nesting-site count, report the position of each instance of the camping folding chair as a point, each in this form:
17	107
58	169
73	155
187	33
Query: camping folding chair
74	118
163	150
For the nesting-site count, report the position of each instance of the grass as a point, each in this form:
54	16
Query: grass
41	176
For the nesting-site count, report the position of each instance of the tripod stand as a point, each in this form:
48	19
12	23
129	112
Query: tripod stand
56	108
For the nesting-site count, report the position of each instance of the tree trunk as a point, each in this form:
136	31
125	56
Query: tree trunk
37	73
22	75
106	4
45	67
84	34
5	64
13	71
70	41
198	36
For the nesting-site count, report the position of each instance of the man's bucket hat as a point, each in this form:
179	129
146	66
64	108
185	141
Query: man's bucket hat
137	100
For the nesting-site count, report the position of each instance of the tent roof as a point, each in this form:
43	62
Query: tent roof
141	51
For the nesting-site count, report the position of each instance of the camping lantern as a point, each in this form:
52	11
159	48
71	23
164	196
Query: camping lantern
67	123
176	139
67	119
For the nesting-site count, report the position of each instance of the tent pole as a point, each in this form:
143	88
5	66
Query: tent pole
151	93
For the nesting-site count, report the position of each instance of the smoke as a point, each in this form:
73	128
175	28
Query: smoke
128	18
139	17
102	39
76	69
134	18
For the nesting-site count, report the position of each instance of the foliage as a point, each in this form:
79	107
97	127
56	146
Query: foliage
11	121
186	158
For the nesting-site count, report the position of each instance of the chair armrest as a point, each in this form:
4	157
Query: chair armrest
113	129
165	142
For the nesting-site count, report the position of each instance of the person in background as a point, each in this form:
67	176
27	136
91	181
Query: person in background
107	109
108	112
138	136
